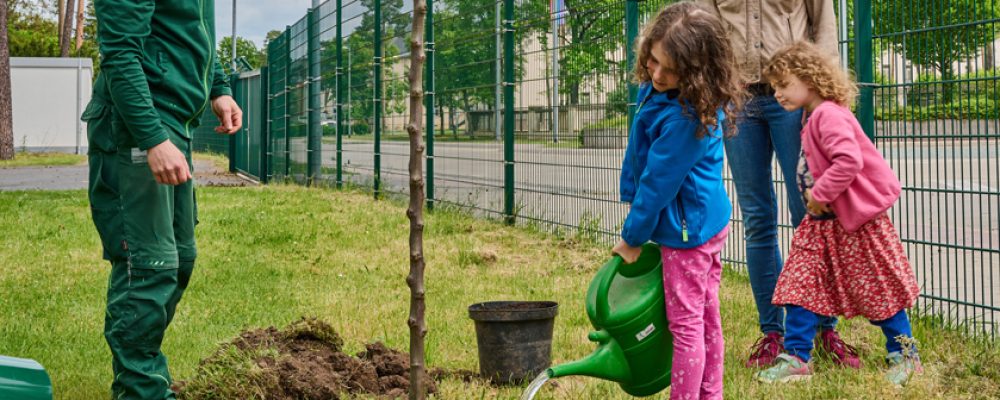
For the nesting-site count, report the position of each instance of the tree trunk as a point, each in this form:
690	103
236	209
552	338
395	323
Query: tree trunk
947	88
440	124
60	18
6	119
451	121
416	321
79	23
67	30
467	109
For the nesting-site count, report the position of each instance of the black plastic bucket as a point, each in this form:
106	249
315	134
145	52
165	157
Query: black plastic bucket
514	338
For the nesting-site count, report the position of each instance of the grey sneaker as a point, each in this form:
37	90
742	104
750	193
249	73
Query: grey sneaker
902	367
787	368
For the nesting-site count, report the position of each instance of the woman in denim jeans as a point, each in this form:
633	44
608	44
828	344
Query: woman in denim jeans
757	28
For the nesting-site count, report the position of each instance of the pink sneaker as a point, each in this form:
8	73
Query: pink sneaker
766	350
841	353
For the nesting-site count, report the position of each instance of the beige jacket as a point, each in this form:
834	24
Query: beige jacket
758	28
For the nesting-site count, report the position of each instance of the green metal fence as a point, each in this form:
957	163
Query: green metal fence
527	112
932	89
248	152
204	139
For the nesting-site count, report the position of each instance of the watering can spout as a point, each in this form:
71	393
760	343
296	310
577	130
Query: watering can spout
607	362
626	308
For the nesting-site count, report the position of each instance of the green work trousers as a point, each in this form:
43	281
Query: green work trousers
147	232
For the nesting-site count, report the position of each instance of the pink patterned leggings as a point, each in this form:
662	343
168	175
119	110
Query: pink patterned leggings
691	279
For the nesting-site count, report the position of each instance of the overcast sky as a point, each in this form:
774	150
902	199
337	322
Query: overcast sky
254	18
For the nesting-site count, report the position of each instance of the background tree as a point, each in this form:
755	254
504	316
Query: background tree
89	47
79	23
939	32
358	53
271	35
66	31
244	48
465	53
32	29
6	116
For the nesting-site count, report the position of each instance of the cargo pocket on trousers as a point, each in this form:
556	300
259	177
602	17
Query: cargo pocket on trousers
100	134
105	205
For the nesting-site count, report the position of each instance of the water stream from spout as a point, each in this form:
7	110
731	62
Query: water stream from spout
535	385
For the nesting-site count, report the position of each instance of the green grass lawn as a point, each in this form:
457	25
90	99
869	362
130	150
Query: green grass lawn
269	255
26	159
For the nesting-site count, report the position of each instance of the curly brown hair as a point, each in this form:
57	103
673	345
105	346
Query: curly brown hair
805	62
695	41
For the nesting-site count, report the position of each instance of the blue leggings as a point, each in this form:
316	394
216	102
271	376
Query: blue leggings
800	329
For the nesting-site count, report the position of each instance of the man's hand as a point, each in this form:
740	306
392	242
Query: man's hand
229	114
628	253
168	164
815	207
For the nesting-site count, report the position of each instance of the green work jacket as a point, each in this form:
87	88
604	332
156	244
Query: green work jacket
159	68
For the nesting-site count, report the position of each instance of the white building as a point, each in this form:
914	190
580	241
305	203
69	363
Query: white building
48	96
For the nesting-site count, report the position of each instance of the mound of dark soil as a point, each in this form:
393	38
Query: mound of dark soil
303	361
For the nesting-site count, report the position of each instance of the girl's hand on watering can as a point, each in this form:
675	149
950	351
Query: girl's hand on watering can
628	253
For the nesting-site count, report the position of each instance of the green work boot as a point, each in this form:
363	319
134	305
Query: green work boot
787	368
902	367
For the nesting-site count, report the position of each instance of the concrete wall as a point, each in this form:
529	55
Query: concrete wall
49	94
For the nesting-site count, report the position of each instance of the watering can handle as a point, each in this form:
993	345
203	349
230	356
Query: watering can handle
602	289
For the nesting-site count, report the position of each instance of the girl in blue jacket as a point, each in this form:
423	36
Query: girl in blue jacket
672	177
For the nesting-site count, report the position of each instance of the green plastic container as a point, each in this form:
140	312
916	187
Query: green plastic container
23	379
625	306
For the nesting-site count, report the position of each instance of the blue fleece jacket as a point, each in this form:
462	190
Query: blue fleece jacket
672	179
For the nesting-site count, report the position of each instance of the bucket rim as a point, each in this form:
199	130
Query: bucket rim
513	310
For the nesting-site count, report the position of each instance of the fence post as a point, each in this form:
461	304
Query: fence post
268	97
288	89
863	66
265	122
377	101
315	130
429	100
234	85
340	96
508	111
631	31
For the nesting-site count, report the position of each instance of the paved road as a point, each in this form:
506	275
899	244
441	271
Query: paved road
75	177
47	178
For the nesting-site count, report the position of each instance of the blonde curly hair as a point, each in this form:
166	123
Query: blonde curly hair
805	62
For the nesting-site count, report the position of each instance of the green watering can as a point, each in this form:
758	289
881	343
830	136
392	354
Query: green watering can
625	306
23	379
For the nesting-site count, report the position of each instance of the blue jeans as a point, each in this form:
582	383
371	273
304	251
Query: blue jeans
765	129
802	330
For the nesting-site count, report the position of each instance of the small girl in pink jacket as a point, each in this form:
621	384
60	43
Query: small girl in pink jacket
846	256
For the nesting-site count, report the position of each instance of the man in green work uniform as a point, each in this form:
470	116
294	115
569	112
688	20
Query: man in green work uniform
159	73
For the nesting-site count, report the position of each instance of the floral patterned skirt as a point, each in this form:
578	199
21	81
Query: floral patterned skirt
834	272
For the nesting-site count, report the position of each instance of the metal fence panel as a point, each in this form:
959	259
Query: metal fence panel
529	108
205	140
936	121
277	59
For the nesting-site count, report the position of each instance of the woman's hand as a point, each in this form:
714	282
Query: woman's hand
628	253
